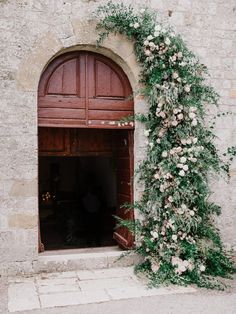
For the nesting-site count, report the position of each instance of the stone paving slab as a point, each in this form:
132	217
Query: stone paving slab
72	288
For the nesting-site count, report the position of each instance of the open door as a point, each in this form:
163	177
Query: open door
124	156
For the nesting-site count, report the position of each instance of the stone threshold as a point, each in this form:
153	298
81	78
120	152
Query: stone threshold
84	259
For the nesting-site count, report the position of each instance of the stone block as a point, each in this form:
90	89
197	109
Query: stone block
23	221
24	188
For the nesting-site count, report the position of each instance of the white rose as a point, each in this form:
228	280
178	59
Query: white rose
174	123
154	234
189	141
158	141
164	154
176	111
174	237
142	11
179	149
146	43
202	268
156	34
151	144
136	25
184	207
195	139
147	52
191	213
170	199
157	27
162	114
183	160
193	109
146	132
182	173
192	115
179	55
167	41
131	24
156	176
155	267
182	268
150	37
180	116
183	142
151	44
175	75
187	88
179	166
194	159
194	122
185	167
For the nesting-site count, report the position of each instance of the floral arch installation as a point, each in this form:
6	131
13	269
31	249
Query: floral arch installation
84	90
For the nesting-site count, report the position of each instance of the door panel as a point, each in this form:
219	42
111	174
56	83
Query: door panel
53	141
124	156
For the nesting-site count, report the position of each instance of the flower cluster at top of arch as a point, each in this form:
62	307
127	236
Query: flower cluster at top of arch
177	236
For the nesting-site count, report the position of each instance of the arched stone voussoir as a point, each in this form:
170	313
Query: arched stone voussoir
116	47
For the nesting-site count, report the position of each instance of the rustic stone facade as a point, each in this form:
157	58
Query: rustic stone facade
32	33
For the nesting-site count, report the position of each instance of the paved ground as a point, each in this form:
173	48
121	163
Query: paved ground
114	290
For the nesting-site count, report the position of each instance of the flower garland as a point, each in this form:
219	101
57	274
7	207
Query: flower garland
177	236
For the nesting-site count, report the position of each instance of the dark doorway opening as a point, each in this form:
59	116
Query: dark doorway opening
78	198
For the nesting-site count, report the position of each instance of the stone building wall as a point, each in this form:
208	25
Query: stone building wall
32	32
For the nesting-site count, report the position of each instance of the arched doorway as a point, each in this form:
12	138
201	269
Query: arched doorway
85	152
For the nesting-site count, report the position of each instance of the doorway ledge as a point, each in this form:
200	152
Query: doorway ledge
81	259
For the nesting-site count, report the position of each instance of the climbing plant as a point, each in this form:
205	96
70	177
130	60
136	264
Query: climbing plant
176	236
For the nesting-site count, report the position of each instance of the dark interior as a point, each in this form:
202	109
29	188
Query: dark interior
78	198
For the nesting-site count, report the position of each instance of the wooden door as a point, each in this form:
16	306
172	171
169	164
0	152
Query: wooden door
84	90
124	158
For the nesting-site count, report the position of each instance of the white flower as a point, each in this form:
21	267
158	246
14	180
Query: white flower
179	149
142	11
151	144
182	173
146	42
187	88
183	141
194	122
180	55
151	44
164	154
158	141
136	25
162	114
192	115
175	111
154	234
183	160
195	139
193	109
194	159
167	41
147	52
174	123
150	37
146	132
175	75
156	34
156	176
179	166
180	116
189	141
157	27
185	167
131	24
155	267
191	213
174	238
202	268
170	199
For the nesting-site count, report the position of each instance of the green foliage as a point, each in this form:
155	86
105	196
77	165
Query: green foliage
176	236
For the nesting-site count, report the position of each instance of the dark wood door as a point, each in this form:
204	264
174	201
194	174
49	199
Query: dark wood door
124	158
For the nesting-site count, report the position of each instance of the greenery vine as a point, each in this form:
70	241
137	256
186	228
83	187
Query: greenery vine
177	236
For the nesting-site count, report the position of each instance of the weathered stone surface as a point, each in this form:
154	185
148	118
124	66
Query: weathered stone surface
32	33
23	221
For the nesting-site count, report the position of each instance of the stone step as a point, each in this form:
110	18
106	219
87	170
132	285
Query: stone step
84	259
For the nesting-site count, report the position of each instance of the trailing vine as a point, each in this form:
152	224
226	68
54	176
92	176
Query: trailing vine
177	236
